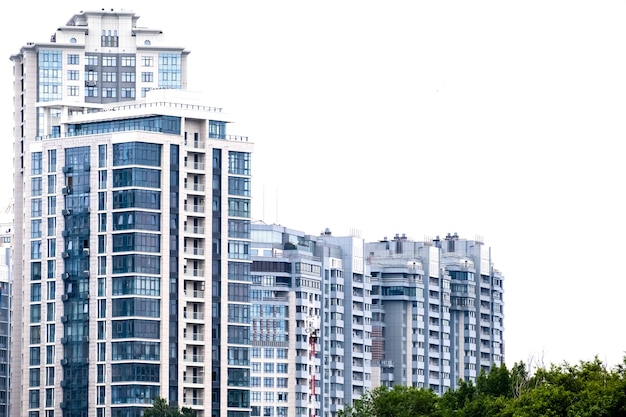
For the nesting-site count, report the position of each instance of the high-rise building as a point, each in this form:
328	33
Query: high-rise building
311	322
6	281
132	241
437	311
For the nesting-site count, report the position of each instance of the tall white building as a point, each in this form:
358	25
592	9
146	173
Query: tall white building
311	320
6	282
132	241
437	311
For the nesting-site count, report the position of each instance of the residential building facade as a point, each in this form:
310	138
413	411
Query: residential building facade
133	246
437	311
311	322
6	282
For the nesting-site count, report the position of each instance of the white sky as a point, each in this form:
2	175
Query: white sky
492	118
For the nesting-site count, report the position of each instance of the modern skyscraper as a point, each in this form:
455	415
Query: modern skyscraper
133	228
6	281
437	311
311	322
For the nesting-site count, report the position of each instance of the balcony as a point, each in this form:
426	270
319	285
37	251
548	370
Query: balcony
195	294
194	208
191	402
195	315
198	166
195	230
193	251
193	358
190	379
193	337
195	187
194	274
195	144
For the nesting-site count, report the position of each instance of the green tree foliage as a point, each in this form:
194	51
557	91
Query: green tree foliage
588	389
161	408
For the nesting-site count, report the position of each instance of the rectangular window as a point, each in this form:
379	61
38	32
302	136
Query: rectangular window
52	246
109	92
73	90
102	156
91	92
73	75
73	59
35	187
147	61
35	229
36	163
52	179
109	77
128	61
52	160
52	205
109	61
128	77
35	207
52	226
147	77
128	92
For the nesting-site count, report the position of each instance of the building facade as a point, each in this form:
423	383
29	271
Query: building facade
437	311
133	246
6	282
311	320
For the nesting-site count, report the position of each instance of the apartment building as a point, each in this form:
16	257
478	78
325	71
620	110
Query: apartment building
132	243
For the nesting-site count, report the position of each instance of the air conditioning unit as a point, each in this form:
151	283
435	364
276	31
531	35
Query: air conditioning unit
66	212
66	275
63	319
86	252
66	254
67	170
65	297
63	362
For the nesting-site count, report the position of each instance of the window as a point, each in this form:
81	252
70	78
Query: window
35	229
109	92
147	61
72	75
147	77
36	163
73	90
73	59
128	77
52	160
128	92
52	205
128	61
91	92
52	179
35	207
109	61
109	77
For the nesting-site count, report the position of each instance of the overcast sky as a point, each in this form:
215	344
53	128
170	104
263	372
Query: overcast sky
494	118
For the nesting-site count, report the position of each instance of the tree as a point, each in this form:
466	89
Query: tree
161	408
